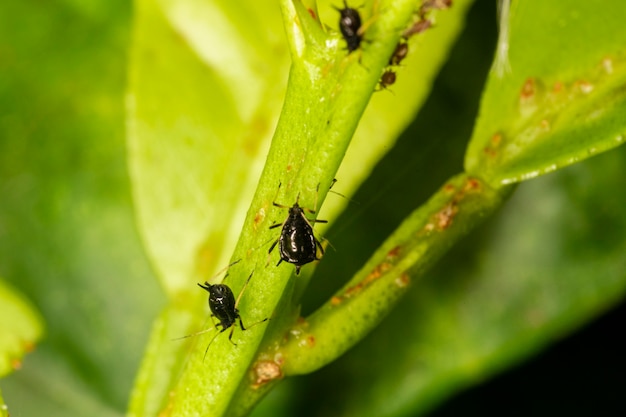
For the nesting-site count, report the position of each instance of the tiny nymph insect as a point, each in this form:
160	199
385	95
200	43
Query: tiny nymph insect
401	51
388	78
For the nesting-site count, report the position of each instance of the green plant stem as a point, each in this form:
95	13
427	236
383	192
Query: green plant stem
429	232
421	240
327	94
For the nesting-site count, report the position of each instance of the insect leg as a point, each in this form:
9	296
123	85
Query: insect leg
274	203
242	291
230	336
209	345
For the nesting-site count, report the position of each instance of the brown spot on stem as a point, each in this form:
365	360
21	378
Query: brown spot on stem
529	96
449	188
393	253
494	143
472	184
490	151
370	278
264	372
583	86
403	280
259	216
528	89
446	215
375	274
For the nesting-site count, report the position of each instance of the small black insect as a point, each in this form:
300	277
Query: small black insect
401	51
224	307
350	26
388	78
297	244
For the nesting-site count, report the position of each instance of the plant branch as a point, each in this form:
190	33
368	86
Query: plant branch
327	93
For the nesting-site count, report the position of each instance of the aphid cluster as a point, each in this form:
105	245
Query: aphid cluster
296	242
352	30
423	22
420	25
388	77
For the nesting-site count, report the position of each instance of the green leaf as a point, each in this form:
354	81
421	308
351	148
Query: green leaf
21	326
548	263
203	102
68	241
562	97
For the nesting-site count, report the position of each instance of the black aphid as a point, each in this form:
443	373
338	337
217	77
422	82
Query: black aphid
224	307
297	243
350	26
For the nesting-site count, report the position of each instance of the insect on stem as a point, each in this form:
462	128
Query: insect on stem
297	243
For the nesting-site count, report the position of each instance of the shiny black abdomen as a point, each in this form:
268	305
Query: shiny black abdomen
297	243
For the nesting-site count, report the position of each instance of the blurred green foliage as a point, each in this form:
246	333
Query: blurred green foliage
67	234
21	328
